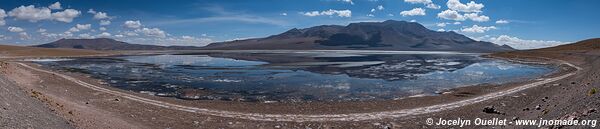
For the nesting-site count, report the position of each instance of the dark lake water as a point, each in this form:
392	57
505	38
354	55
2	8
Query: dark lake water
288	76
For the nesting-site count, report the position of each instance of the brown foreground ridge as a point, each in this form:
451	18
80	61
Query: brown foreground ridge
74	100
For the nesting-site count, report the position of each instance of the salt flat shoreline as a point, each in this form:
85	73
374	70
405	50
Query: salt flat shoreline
119	106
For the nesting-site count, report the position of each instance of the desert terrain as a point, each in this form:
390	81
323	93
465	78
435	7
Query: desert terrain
54	99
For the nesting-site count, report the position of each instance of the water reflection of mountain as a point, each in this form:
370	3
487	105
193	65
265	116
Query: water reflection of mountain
375	66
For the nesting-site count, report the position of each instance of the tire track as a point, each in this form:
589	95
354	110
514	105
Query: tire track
313	118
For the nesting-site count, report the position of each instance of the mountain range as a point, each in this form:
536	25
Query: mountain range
387	35
107	44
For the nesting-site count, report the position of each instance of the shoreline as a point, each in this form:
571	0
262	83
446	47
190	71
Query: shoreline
353	109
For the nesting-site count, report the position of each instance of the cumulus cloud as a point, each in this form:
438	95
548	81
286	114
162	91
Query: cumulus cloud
86	36
33	14
66	16
102	28
99	15
330	12
55	6
41	30
347	1
104	34
133	24
413	12
469	7
476	17
24	36
15	29
283	14
451	15
80	27
129	33
30	13
104	22
428	3
443	24
478	29
454	15
519	43
502	22
2	16
153	32
380	7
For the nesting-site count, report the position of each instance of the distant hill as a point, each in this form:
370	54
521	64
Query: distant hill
107	44
589	44
387	35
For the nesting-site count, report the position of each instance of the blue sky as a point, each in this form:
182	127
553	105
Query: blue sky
519	23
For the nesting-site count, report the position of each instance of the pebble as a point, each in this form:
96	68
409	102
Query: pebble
538	107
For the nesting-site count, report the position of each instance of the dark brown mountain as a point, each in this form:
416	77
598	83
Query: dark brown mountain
107	44
589	44
387	35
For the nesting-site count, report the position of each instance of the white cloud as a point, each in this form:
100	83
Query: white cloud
454	15
502	22
55	6
129	33
104	22
102	28
99	15
441	24
413	20
83	26
441	30
2	16
456	23
428	3
15	29
518	43
86	36
347	1
41	30
24	36
330	12
469	7
380	7
104	34
433	6
30	13
133	24
283	14
80	27
154	32
478	29
66	16
33	14
476	17
451	15
119	36
413	12
92	11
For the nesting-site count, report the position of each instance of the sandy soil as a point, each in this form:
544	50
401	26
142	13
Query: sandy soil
86	103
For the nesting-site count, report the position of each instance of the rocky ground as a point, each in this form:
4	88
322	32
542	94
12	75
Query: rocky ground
62	100
19	110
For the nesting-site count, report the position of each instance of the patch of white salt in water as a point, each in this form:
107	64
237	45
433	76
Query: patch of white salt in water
48	59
